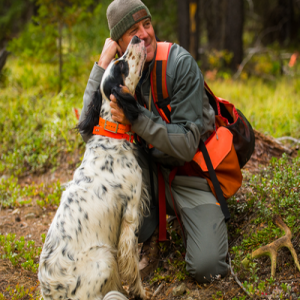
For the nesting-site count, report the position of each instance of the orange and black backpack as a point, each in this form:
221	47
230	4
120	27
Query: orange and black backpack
220	158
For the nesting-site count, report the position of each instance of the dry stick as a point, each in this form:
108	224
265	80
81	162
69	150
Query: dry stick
158	290
257	47
288	138
272	248
235	277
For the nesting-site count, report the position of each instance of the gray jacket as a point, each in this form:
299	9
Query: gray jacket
192	117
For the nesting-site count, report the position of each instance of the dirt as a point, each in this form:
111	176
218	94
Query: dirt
31	221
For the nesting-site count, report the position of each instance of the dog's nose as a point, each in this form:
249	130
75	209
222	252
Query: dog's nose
135	40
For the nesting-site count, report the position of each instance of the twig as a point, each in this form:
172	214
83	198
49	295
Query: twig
269	30
158	290
245	61
235	277
250	2
289	138
290	280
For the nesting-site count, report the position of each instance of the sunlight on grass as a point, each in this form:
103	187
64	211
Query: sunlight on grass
36	123
272	108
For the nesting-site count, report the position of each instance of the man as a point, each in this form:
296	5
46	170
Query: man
174	144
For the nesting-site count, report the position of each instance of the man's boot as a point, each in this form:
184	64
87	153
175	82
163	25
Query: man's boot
149	256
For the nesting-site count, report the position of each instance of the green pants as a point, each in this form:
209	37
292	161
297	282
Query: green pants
202	219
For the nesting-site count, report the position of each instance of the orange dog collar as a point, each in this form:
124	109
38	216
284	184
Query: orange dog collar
114	130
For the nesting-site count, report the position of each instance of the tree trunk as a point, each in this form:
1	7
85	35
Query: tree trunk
184	24
233	39
224	24
266	147
213	15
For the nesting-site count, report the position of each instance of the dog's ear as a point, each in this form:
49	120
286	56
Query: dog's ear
127	102
86	126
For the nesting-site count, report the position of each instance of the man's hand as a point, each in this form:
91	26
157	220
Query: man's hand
110	49
117	113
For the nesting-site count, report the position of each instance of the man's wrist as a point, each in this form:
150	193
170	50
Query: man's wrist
103	63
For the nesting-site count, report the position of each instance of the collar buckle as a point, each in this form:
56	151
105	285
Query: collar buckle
113	131
130	134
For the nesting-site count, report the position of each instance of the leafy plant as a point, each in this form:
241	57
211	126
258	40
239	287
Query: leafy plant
18	251
12	194
19	292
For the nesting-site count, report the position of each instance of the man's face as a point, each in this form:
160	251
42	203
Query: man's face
145	32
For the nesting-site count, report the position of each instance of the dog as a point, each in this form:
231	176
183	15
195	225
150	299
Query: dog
91	245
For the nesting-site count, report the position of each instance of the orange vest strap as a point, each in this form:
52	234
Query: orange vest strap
158	78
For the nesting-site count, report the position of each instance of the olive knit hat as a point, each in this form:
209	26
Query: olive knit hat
122	14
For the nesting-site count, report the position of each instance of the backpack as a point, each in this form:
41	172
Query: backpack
220	158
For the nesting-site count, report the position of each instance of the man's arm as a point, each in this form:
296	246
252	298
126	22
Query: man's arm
107	55
191	115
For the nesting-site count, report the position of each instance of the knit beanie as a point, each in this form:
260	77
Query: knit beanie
122	14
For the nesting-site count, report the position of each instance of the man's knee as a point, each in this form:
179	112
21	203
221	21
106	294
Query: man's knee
206	268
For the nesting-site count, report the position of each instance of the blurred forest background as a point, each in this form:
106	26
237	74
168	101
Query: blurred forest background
227	37
246	49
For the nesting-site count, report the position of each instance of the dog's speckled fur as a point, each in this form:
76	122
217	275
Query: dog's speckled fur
91	245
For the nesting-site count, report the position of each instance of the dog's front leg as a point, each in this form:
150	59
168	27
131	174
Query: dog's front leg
128	258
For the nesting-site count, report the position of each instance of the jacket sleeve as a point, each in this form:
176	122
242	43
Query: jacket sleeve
181	138
92	85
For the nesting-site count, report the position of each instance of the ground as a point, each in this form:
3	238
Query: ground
171	280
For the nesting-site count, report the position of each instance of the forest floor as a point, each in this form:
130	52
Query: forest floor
170	281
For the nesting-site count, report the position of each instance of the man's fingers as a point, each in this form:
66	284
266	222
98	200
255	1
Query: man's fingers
119	51
108	53
113	98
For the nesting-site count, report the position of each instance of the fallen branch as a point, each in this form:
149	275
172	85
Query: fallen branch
235	277
272	249
288	138
158	290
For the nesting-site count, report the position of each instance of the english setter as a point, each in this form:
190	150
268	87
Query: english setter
91	245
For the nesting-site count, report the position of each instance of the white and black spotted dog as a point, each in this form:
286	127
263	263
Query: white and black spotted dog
91	246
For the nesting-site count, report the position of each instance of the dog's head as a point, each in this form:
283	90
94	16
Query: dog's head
120	79
127	70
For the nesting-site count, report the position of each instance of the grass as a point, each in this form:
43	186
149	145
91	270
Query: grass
14	195
36	133
271	107
19	292
19	252
35	123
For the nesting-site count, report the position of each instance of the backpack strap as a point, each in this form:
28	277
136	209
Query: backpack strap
158	78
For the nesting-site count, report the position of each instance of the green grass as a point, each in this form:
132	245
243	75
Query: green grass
36	124
19	292
271	107
14	195
20	252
